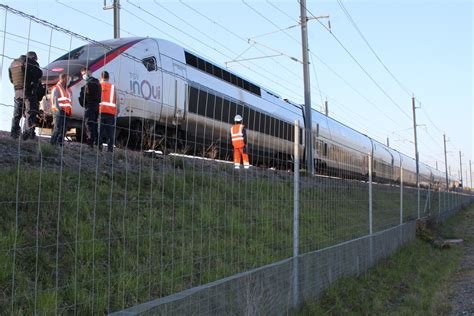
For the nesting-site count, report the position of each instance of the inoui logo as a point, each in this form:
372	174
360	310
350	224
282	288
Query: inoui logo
145	89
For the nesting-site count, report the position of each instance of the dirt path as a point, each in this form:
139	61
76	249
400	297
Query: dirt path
462	298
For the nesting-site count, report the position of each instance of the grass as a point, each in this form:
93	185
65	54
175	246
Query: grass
413	281
91	241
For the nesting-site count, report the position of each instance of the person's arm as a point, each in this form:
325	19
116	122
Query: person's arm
10	75
37	73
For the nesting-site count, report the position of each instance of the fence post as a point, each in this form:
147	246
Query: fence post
401	193
371	242
296	192
439	204
370	193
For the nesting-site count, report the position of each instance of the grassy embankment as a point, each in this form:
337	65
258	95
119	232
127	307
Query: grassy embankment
92	242
413	281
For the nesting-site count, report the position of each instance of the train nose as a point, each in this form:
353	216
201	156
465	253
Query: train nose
52	71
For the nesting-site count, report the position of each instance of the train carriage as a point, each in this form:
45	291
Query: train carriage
165	89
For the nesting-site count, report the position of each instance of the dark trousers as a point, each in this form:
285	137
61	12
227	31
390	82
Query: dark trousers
107	130
90	122
60	128
24	106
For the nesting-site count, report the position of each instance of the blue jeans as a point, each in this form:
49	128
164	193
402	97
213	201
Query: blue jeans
60	128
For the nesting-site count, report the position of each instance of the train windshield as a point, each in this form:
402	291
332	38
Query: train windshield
88	53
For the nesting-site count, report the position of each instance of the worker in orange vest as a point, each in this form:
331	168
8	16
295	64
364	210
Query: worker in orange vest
107	112
62	108
239	141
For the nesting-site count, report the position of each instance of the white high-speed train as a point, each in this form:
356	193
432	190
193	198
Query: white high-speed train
165	89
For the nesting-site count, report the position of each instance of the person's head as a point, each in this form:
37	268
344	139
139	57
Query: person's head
238	119
104	76
32	56
85	73
63	78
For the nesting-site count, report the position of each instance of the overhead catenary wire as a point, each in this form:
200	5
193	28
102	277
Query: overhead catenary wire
93	17
312	54
353	23
375	82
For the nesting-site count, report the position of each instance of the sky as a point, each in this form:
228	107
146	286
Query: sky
407	48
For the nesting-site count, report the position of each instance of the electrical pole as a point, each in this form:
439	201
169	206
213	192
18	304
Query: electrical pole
470	173
326	108
388	142
436	165
416	156
116	7
446	162
460	169
307	87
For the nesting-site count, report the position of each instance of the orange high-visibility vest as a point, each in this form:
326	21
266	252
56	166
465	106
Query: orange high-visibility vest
64	100
108	103
237	132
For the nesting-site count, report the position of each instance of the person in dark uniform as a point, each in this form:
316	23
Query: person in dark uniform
25	75
89	99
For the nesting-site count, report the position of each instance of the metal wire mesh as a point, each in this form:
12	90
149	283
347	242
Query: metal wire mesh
86	232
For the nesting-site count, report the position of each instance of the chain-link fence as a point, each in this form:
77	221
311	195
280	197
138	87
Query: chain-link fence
86	231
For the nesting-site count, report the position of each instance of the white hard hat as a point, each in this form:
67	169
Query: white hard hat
238	118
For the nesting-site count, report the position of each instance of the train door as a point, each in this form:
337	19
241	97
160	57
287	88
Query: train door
181	91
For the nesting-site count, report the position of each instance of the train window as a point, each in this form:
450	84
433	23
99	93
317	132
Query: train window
193	100
281	130
202	103
233	79
209	68
273	124
258	124
239	110
211	99
191	59
255	89
246	85
149	63
226	75
287	131
201	64
267	124
246	115
217	72
276	128
251	124
240	82
232	111
226	111
218	109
